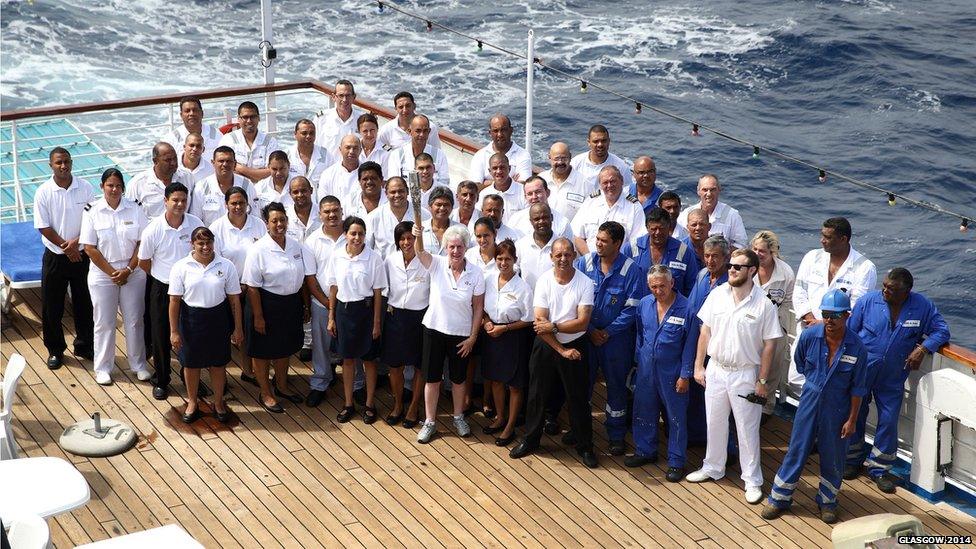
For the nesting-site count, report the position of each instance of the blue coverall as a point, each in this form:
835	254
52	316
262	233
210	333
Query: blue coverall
824	407
616	296
697	431
888	347
651	202
678	256
662	357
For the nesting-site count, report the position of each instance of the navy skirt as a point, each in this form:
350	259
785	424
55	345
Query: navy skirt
505	359
354	330
403	337
206	335
283	334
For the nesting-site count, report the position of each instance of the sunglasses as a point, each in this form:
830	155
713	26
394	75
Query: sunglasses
833	315
734	267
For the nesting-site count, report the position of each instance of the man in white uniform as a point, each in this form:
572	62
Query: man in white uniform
341	178
466	208
569	187
193	160
534	249
493	207
739	330
725	219
396	132
402	160
251	145
148	188
305	157
274	188
500	132
836	265
536	191
503	185
334	124
590	163
208	198
608	204
191	111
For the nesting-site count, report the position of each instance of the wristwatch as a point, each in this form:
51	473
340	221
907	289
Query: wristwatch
762	381
555	329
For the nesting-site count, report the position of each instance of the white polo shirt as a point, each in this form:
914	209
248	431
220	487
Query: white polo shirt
265	193
514	198
409	285
402	161
456	216
533	260
209	203
115	232
165	245
299	230
563	300
319	161
149	191
204	286
568	197
473	255
233	243
337	181
279	271
330	128
355	277
510	303
523	225
61	209
391	135
322	246
596	212
353	205
738	330
518	160
203	170
725	221
590	172
380	224
450	311
254	155
177	137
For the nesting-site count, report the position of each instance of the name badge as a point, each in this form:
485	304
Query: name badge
211	203
750	316
185	237
677	265
912	323
419	278
510	297
575	197
127	223
850	359
297	256
676	320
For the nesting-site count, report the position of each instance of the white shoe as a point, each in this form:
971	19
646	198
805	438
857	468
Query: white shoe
698	476
462	427
103	378
754	494
143	375
426	432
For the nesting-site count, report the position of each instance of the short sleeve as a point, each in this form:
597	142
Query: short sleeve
479	286
176	285
330	271
232	286
528	315
540	298
379	273
252	275
577	224
142	220
42	216
147	243
771	328
308	260
88	235
588	295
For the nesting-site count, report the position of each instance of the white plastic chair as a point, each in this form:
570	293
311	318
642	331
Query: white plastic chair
29	532
8	389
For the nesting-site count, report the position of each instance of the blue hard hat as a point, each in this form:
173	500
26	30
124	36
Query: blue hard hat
835	300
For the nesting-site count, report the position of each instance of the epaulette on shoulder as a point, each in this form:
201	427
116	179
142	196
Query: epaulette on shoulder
633	198
88	206
388	148
137	202
595	193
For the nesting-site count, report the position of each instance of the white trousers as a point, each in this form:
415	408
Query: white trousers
107	299
722	395
795	378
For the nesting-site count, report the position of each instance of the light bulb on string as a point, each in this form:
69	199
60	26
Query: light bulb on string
430	26
638	107
582	86
755	153
891	199
379	7
822	176
694	130
481	45
964	225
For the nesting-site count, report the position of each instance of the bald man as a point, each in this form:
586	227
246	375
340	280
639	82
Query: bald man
147	188
725	219
500	133
341	178
644	188
403	159
567	187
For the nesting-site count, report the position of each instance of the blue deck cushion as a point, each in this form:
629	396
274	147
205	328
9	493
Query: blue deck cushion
20	254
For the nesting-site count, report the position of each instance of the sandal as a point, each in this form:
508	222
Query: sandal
346	414
369	415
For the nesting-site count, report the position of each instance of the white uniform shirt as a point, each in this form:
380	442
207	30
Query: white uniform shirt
355	278
353	204
568	197
203	170
596	211
451	311
725	221
233	243
61	209
590	172
409	285
381	223
265	193
473	255
511	303
779	289
679	232
177	137
523	225
563	300
255	155
147	189
402	161
501	233
114	232
330	128
379	155
433	244
857	276
456	216
319	161
279	271
533	260
337	181
165	245
322	246
518	160
738	330
209	203
391	135
204	286
514	198
298	230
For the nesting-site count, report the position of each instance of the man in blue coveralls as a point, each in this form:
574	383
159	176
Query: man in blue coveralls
899	327
618	286
665	365
834	361
658	247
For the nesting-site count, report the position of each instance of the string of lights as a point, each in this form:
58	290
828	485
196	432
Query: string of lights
696	127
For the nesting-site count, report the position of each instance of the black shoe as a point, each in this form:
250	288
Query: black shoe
569	439
393	419
639	460
55	361
274	409
359	396
160	393
369	415
675	474
552	428
489	430
407	396
523	449
851	472
617	448
468	411
86	354
886	483
489	413
295	398
249	378
314	398
589	459
305	355
346	414
192	416
222	417
505	441
410	423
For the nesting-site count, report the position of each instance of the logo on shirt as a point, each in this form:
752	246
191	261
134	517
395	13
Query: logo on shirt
613	300
912	323
677	265
127	223
850	359
676	320
297	256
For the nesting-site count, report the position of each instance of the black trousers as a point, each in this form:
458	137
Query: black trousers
546	368
57	274
159	316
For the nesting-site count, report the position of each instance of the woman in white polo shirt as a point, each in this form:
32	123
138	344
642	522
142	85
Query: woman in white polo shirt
451	324
276	271
110	232
408	297
356	280
204	319
234	234
482	254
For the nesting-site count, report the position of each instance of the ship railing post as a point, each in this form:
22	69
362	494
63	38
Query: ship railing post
18	192
529	83
267	61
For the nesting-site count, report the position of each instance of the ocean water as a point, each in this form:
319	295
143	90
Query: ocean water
881	91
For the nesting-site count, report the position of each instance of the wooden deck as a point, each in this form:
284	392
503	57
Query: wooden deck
301	480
